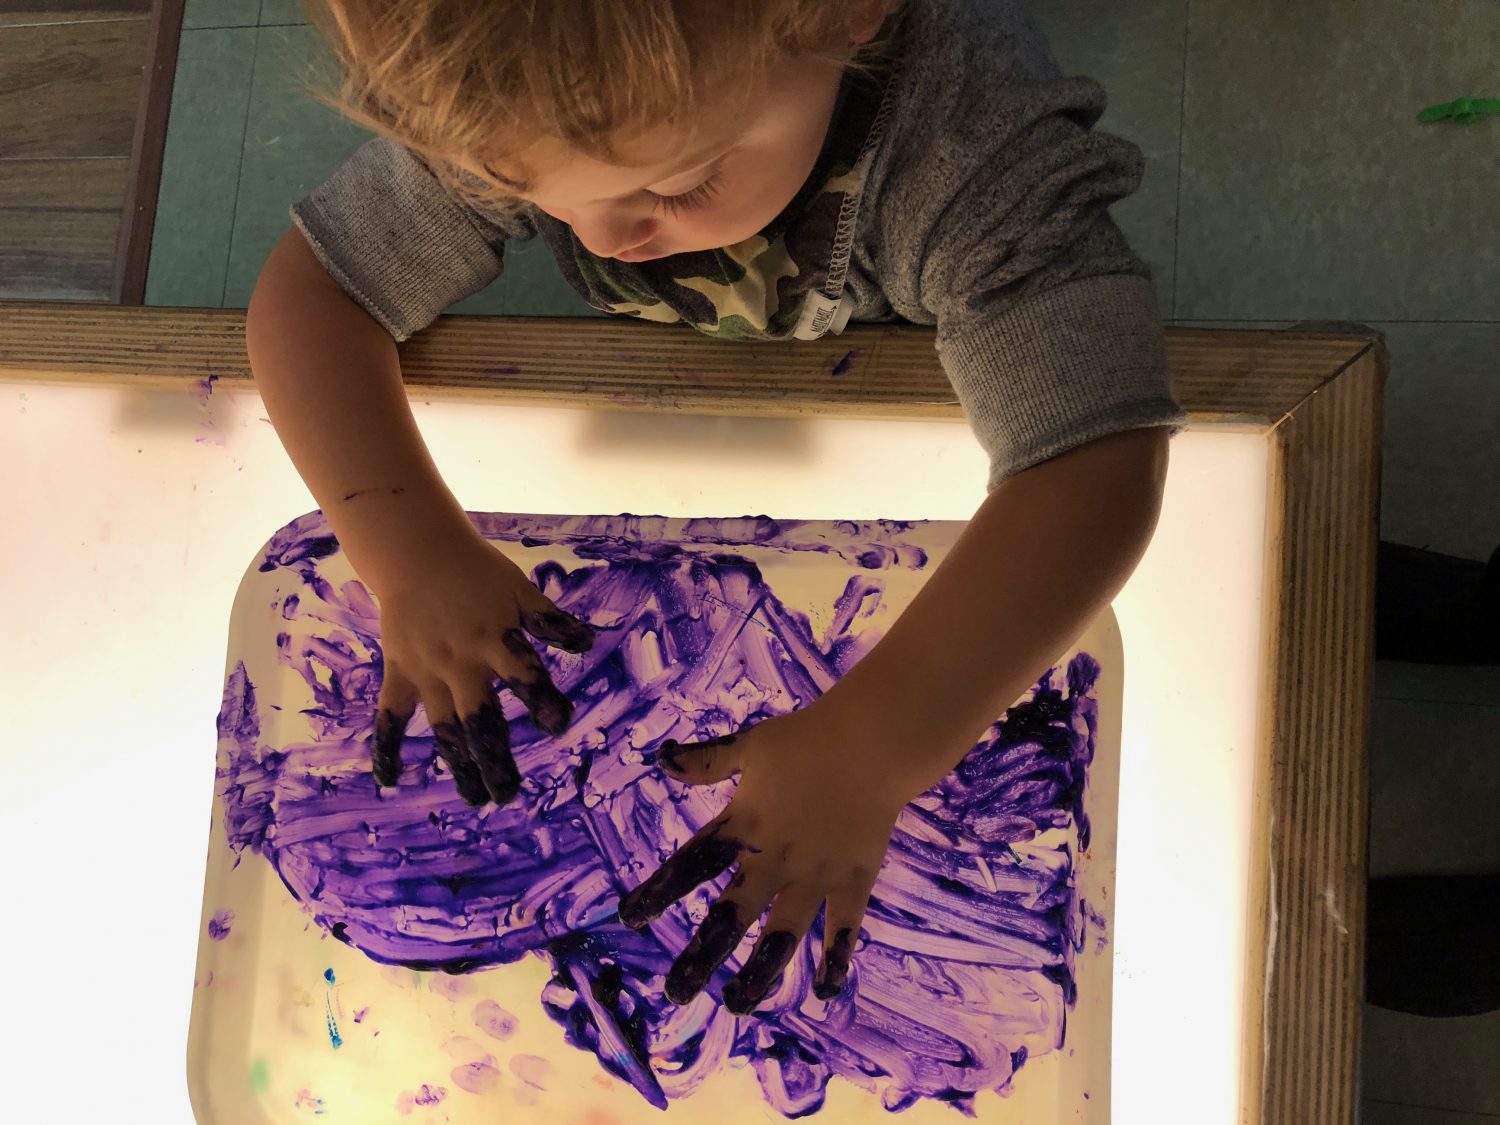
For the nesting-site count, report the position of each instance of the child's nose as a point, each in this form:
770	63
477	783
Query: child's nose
609	237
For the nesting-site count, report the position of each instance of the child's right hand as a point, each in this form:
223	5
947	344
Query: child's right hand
447	630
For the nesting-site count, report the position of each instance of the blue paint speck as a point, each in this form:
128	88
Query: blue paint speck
333	1028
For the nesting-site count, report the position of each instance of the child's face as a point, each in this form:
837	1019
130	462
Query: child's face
749	163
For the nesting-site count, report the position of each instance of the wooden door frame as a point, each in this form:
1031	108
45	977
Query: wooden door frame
147	147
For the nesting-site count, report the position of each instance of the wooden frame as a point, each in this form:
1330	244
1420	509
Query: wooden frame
1317	398
147	148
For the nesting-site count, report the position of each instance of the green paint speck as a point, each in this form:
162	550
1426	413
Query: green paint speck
260	1076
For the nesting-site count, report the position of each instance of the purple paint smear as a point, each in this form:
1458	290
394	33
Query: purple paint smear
219	924
964	966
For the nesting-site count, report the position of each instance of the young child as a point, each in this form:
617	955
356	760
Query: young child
758	170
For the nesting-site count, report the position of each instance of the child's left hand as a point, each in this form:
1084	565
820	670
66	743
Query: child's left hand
811	819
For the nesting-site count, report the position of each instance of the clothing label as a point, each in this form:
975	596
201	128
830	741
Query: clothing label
822	314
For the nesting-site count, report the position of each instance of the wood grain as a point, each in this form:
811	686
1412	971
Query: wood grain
68	90
1305	979
59	224
1249	379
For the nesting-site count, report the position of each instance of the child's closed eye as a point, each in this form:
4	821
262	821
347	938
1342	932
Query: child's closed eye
691	200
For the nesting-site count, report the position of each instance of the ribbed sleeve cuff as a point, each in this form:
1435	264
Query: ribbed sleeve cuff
1062	368
393	238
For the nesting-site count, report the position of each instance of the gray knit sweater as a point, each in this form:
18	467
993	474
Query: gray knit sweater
960	186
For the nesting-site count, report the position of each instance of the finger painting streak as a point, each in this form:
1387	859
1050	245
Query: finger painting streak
964	966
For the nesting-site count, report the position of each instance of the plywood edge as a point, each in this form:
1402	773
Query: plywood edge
1261	904
1309	856
1243	378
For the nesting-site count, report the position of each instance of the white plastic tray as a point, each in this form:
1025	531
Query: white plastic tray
374	955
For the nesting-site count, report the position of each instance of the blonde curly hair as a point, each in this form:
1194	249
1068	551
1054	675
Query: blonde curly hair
470	84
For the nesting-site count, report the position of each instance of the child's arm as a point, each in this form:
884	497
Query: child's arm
820	788
1045	553
452	607
331	381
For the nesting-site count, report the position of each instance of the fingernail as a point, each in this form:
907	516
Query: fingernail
630	912
385	751
668	755
684	982
737	998
762	973
562	628
836	967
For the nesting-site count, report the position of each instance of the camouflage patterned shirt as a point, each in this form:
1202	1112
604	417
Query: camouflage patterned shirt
962	185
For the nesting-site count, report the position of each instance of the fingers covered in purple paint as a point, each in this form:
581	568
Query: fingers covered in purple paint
809	822
559	629
795	908
848	902
835	968
715	940
548	707
385	751
744	901
453	749
762	972
488	739
453	622
700	763
706	856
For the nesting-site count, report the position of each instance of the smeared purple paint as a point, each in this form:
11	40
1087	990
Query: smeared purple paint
531	1069
213	434
219	924
494	1020
842	366
479	1075
964	966
424	1095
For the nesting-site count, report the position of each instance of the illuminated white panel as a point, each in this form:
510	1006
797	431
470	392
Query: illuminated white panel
133	521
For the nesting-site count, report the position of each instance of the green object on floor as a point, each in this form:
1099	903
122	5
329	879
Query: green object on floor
1465	111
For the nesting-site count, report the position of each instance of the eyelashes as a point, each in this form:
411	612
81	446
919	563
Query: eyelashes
672	204
691	200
